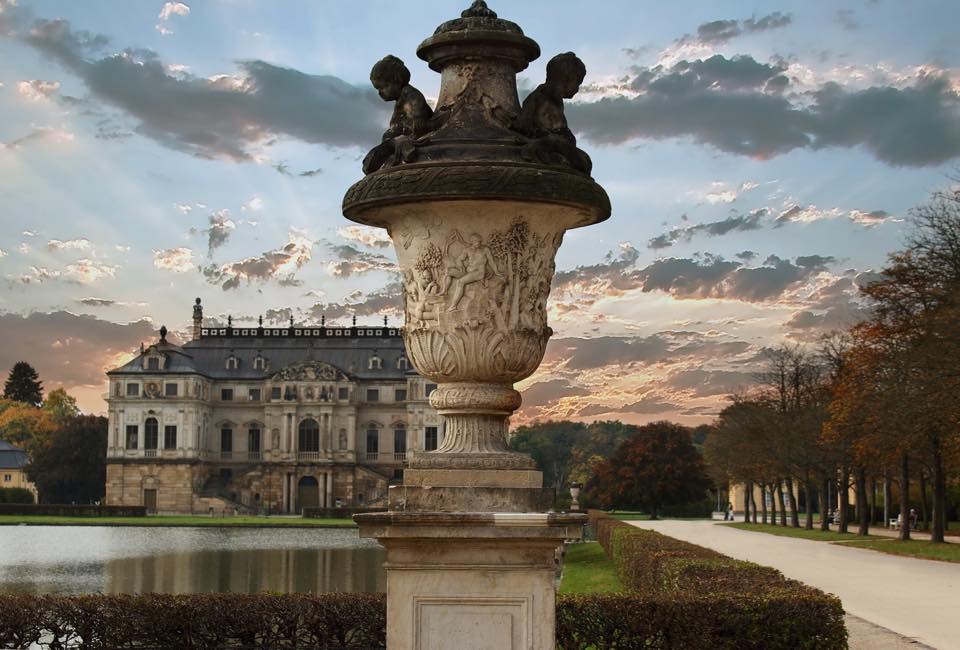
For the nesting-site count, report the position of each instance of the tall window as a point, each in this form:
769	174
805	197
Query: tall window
132	435
170	436
429	388
226	394
376	363
400	439
232	363
373	394
343	393
133	390
400	395
170	390
430	438
150	433
254	394
276	393
258	363
153	363
226	439
253	439
402	363
309	435
373	441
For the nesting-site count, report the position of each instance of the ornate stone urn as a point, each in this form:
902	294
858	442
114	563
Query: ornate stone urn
476	194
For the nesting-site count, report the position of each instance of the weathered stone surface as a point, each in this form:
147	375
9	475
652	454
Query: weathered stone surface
469	498
504	478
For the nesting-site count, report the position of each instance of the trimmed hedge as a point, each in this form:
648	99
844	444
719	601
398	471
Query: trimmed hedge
336	513
697	597
334	620
16	495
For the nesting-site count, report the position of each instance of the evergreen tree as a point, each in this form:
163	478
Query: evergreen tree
23	385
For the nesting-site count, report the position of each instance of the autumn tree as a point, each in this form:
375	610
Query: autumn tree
656	466
551	445
23	385
68	464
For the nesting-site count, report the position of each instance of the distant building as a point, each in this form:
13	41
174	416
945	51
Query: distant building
13	460
265	419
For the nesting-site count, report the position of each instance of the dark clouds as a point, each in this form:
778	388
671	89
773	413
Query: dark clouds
227	116
352	261
741	106
67	348
705	383
386	301
733	223
717	32
597	352
545	392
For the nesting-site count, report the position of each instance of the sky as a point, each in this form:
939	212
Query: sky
761	161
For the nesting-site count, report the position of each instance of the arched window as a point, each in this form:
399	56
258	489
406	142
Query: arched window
309	435
373	441
151	433
259	363
376	363
232	362
402	363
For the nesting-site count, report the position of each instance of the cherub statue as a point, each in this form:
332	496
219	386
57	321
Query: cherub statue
541	117
411	114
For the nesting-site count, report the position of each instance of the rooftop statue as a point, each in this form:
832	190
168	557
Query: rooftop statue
411	114
541	116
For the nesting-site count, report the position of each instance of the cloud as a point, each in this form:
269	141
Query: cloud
3	253
169	10
178	260
40	134
36	90
733	223
385	301
610	273
597	352
721	31
714	277
107	302
81	243
353	261
811	213
280	264
846	19
741	106
545	392
225	116
24	248
221	225
88	271
366	235
255	204
703	383
67	349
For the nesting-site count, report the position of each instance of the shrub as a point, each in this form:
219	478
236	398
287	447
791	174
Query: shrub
695	509
16	495
335	620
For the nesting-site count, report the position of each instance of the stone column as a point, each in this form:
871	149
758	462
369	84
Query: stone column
476	195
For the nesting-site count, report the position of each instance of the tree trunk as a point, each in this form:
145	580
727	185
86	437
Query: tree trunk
887	497
753	506
773	504
808	496
843	499
923	499
873	500
939	496
825	504
780	502
794	514
747	494
763	502
904	497
864	506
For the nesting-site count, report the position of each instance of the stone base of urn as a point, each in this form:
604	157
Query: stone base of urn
471	580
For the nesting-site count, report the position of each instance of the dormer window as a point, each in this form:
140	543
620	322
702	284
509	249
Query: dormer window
259	363
232	362
376	363
153	363
402	363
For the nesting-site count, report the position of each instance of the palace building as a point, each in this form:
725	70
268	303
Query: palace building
265	419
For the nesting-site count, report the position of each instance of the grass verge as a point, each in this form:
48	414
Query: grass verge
947	552
177	521
587	570
815	534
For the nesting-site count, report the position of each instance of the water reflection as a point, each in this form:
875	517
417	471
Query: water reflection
54	559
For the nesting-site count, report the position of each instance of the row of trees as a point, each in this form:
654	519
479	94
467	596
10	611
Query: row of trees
66	448
875	403
620	465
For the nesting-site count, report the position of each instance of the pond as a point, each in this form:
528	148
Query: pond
86	559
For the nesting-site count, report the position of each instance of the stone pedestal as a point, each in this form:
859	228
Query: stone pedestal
471	580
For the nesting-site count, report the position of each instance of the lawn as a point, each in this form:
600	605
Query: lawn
628	515
177	520
586	569
948	552
783	531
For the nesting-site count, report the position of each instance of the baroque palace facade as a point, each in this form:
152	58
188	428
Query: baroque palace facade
265	419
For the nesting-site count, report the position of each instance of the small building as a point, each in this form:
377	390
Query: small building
265	419
13	460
